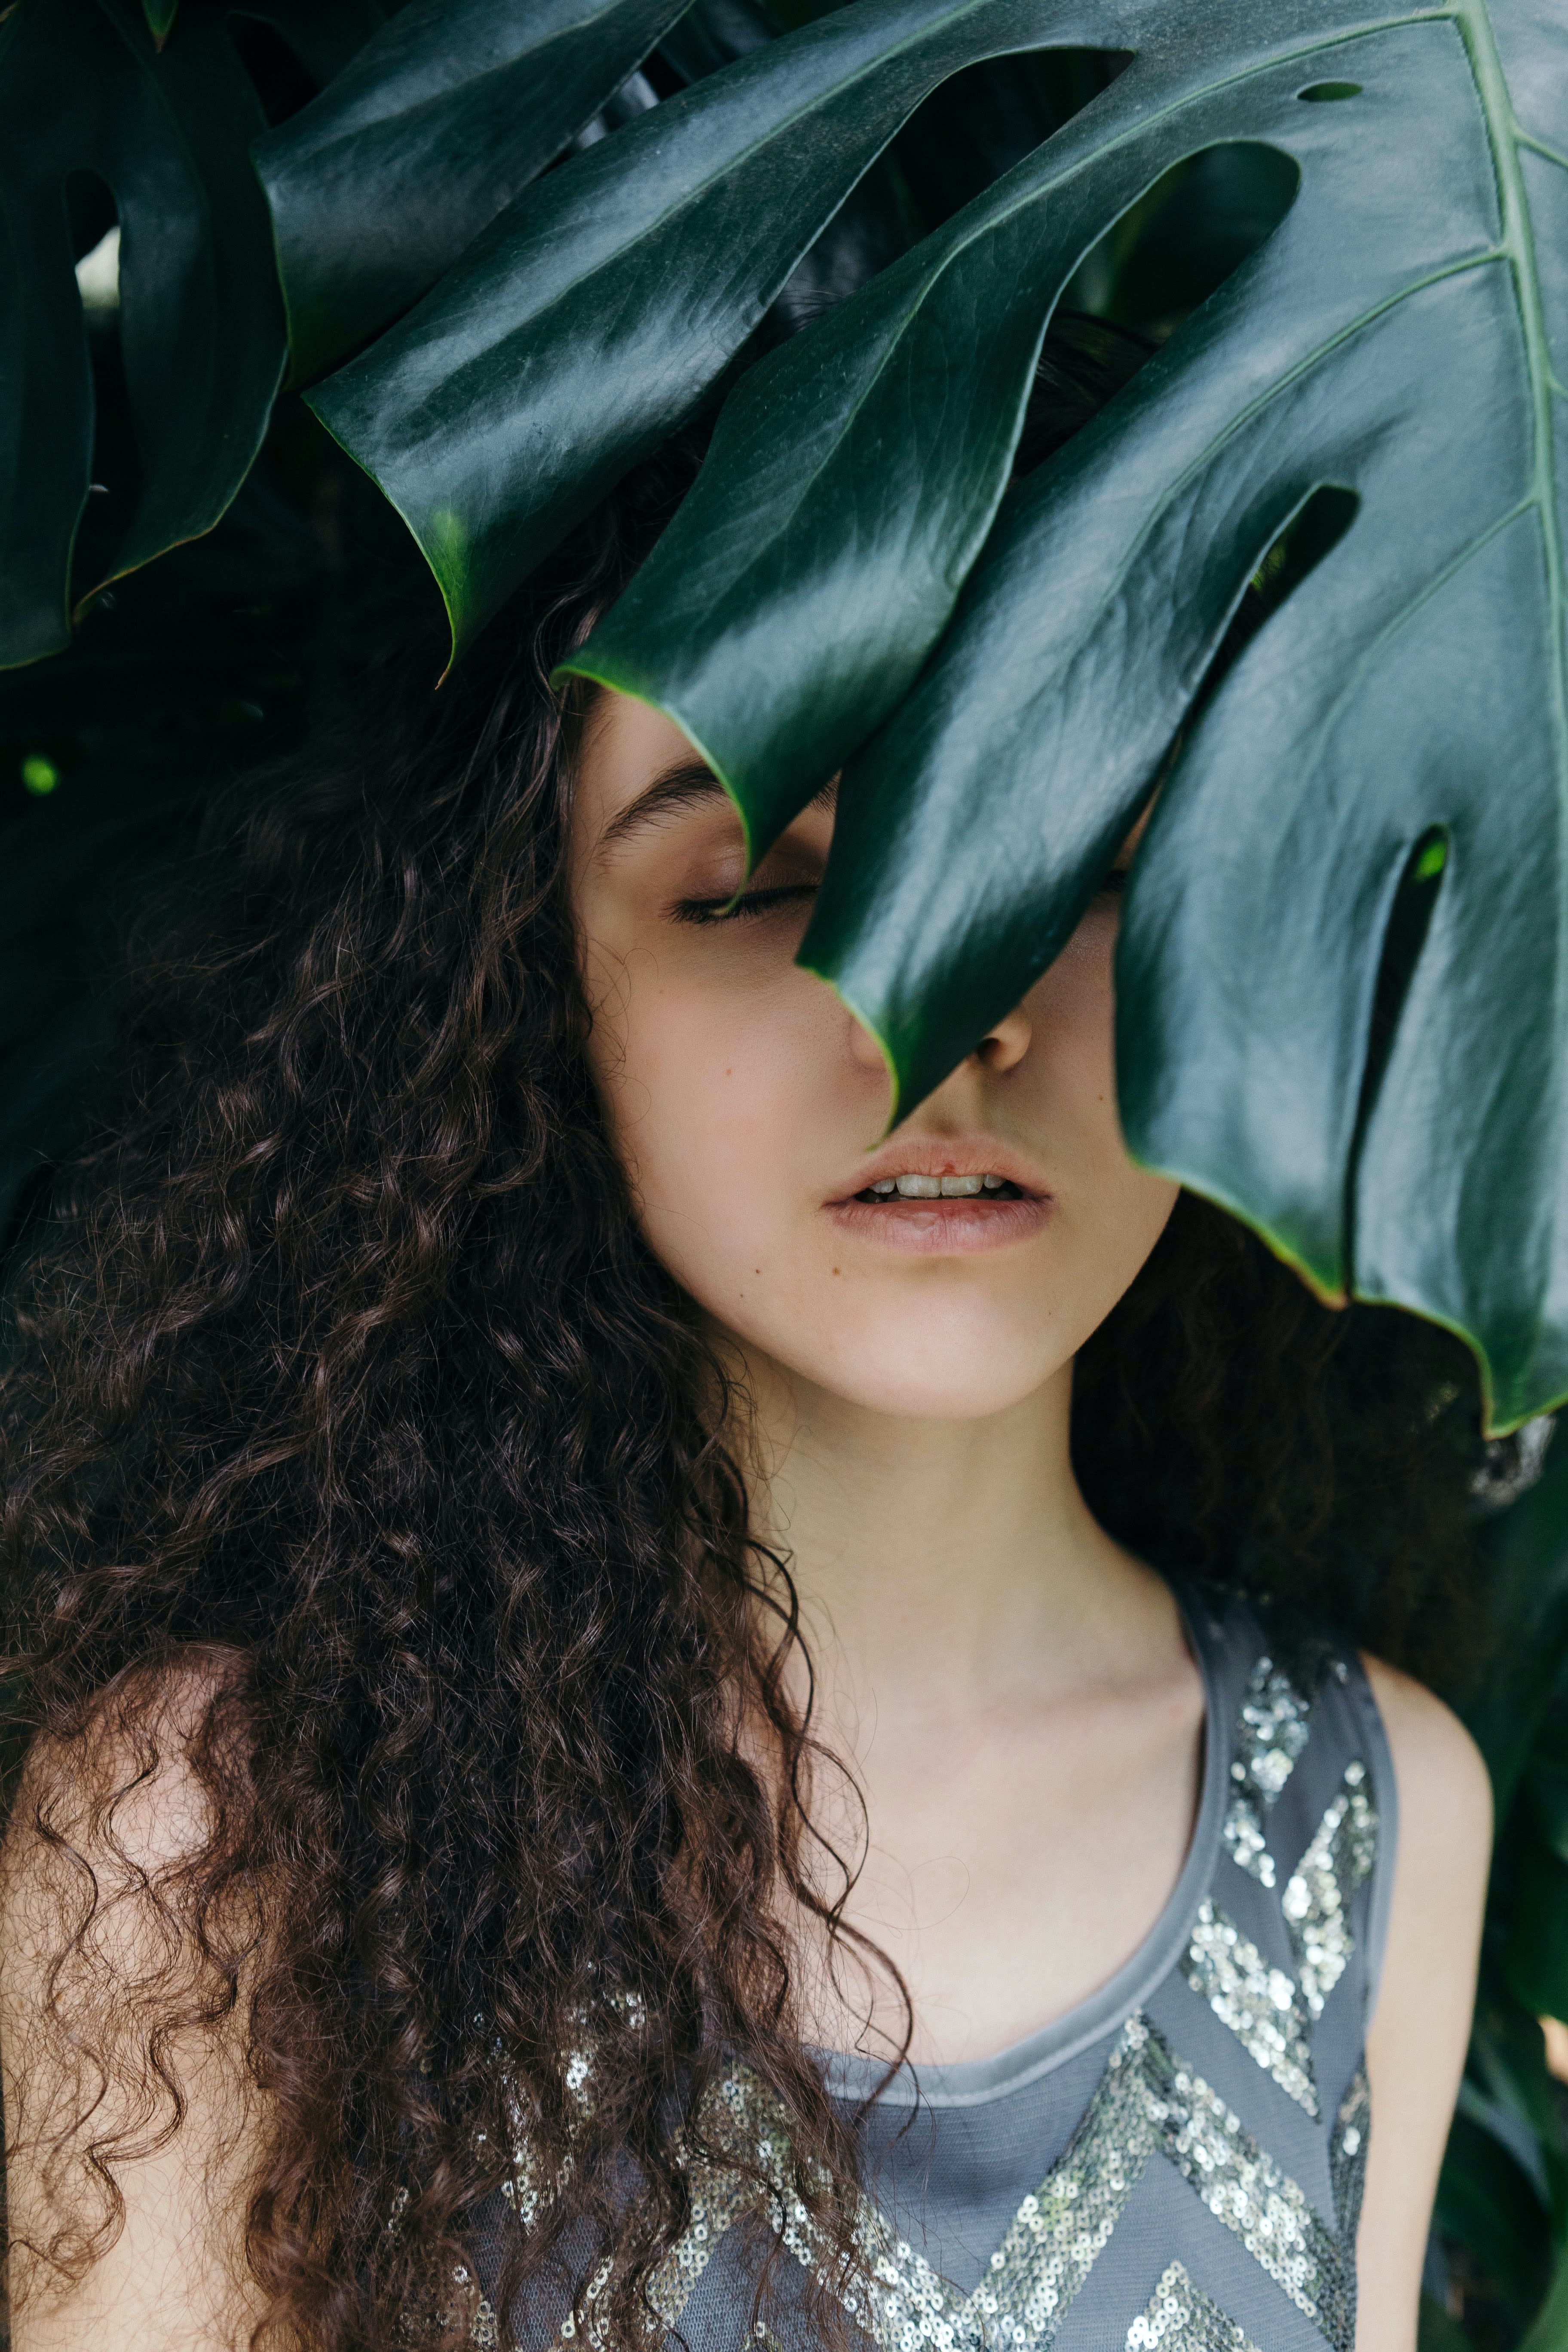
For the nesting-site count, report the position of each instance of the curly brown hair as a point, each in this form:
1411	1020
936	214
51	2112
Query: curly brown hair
341	1369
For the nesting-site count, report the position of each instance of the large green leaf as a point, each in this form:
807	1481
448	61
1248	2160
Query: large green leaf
589	320
83	88
855	474
1487	2202
380	183
1394	339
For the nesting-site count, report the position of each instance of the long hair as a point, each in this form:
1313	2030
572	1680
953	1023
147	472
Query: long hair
350	1425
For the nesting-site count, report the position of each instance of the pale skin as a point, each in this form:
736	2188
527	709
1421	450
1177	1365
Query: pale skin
982	1646
987	1658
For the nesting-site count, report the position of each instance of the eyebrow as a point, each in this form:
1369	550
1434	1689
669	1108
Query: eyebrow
684	785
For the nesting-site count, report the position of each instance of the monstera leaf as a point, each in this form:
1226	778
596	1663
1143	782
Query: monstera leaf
1399	341
84	89
592	316
1004	676
436	124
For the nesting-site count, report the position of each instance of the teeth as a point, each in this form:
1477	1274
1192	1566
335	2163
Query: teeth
936	1188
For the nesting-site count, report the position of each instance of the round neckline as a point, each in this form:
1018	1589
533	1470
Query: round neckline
963	2082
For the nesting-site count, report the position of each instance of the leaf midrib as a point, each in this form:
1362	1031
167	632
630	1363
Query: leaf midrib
1517	245
1504	134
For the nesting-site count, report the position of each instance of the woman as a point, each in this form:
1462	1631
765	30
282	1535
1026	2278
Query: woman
633	1708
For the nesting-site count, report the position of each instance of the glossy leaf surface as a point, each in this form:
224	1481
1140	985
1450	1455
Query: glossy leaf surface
380	181
589	320
1393	339
83	88
855	474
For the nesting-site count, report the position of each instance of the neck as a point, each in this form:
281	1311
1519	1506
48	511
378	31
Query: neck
936	1561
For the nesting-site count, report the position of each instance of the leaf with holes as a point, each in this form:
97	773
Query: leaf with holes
587	322
1394	352
83	88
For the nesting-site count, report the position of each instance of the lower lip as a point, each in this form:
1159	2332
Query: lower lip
961	1227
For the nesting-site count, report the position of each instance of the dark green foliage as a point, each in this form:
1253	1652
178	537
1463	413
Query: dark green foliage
84	89
437	123
853	484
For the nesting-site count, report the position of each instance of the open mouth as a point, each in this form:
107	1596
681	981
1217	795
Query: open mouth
889	1191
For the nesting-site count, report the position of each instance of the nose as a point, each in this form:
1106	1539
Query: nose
1006	1041
863	1048
1002	1048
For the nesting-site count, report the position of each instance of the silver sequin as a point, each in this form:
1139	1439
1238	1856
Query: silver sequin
1244	2188
1316	1901
1259	2003
1271	1731
1148	2103
1181	2318
1347	2155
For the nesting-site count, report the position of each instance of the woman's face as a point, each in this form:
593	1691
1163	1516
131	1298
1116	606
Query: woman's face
747	1104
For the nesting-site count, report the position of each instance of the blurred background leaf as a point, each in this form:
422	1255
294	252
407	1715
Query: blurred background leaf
103	131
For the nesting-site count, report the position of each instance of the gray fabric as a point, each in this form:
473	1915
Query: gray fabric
1144	2125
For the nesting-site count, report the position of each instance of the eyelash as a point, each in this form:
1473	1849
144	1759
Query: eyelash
765	902
753	902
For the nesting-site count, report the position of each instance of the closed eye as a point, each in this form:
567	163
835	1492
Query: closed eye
750	903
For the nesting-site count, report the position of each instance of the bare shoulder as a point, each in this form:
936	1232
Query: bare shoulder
1444	1793
131	2123
1415	2043
133	1794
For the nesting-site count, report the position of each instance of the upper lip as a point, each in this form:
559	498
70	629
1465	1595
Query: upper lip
931	1155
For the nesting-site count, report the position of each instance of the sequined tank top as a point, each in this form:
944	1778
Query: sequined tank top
1175	2164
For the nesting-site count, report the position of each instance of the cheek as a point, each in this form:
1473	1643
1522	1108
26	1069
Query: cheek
1072	1019
1116	1208
724	1100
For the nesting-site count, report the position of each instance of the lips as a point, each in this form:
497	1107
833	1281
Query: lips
920	1171
942	1199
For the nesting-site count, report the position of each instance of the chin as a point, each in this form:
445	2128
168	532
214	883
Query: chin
924	1369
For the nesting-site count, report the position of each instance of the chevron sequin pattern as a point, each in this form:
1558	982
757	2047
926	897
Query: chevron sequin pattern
1270	1734
1347	2155
1258	2002
1149	2105
1317	1899
1182	2319
1244	2188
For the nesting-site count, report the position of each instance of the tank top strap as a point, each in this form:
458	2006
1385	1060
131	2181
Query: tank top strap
1290	1943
